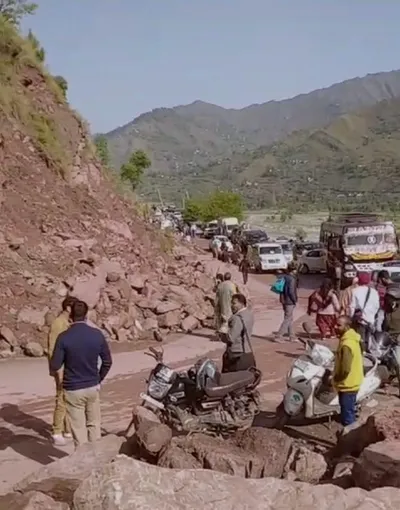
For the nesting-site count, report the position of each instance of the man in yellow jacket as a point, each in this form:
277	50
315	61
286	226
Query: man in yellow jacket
61	428
349	372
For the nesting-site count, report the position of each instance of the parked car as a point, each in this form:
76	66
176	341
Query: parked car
300	248
211	229
268	257
253	237
393	268
287	249
218	240
313	261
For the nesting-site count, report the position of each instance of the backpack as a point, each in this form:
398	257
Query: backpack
279	285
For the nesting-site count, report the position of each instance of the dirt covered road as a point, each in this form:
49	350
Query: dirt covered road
26	390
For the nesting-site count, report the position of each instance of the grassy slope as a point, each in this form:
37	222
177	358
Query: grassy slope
357	153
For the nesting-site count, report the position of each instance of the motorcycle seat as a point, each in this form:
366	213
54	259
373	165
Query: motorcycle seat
228	382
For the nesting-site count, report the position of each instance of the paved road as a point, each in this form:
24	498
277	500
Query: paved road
26	391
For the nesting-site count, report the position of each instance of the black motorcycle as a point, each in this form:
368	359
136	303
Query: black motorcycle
202	399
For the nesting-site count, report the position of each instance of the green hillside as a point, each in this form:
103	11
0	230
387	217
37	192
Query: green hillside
356	158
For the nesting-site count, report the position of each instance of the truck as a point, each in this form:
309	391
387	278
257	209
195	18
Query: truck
357	243
226	226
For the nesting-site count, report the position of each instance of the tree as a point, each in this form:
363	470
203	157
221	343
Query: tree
63	84
216	205
133	170
102	150
15	10
37	48
193	211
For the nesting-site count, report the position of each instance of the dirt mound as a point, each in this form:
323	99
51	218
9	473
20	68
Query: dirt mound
65	227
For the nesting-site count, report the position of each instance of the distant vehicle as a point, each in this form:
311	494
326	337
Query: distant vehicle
300	248
359	243
211	229
218	240
393	268
227	225
253	237
313	261
287	249
268	257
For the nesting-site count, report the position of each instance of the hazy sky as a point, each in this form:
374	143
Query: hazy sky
125	57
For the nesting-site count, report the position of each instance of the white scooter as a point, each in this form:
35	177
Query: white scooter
306	393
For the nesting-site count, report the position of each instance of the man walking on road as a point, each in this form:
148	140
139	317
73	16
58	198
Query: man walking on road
77	351
244	268
61	428
288	299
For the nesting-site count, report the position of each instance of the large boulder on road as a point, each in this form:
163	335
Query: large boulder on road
128	484
60	479
30	501
378	466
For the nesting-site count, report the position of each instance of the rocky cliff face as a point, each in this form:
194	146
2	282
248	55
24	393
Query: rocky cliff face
66	228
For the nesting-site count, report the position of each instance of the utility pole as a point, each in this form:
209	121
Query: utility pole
160	198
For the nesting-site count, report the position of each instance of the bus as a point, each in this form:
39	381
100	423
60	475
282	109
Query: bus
357	243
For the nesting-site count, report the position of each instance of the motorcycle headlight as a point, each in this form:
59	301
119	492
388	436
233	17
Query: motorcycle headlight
158	389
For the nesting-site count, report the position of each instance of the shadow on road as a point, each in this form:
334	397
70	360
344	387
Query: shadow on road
37	449
12	414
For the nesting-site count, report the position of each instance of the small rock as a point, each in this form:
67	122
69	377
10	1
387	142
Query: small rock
167	306
153	437
189	324
149	324
33	349
136	281
176	458
113	277
5	354
7	335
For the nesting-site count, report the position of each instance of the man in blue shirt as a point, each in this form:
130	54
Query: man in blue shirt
77	352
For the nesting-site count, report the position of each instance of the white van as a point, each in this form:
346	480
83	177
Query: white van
269	257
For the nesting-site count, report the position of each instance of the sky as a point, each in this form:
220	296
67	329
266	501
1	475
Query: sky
122	58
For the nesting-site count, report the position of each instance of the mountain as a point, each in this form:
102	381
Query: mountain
67	227
354	161
186	138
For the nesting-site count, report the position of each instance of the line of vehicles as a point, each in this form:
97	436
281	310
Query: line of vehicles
348	244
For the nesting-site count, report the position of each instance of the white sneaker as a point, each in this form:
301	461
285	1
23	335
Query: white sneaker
67	435
59	440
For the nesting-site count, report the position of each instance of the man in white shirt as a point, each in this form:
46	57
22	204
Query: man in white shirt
364	305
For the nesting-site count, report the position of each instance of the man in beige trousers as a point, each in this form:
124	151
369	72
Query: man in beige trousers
77	352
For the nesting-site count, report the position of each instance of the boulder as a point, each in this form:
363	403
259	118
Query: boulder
273	446
189	324
169	319
384	424
141	415
88	290
7	335
153	437
60	479
305	465
32	316
176	458
33	349
113	277
167	306
378	466
136	281
128	484
30	501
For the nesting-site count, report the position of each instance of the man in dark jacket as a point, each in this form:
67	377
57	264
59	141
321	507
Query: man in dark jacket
77	351
288	300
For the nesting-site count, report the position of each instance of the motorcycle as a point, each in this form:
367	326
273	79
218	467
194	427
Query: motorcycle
309	392
202	399
385	348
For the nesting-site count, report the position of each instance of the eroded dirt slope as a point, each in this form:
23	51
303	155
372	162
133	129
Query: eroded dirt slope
66	227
